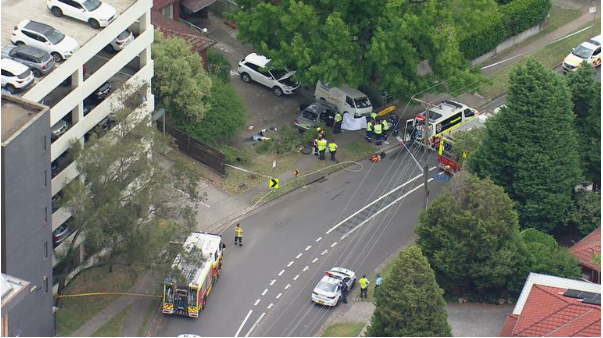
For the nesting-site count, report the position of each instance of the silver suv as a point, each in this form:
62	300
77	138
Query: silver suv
39	61
255	67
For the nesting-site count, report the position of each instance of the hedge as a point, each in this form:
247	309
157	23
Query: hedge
519	15
485	38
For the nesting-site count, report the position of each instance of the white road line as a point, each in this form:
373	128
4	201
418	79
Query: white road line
270	306
567	36
383	209
298	256
272	282
279	295
265	292
257	302
324	252
282	272
243	323
255	324
288	286
296	277
502	61
290	263
205	204
318	239
305	269
314	260
308	247
334	243
375	201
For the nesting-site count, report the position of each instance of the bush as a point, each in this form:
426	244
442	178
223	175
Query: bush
586	213
218	65
520	15
233	155
484	38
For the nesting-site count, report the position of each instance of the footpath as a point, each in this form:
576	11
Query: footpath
222	209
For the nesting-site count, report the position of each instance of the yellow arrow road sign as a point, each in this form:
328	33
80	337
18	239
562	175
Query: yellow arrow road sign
273	183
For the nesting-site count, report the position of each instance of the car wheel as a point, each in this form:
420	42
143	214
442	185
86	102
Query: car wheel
57	57
20	43
277	91
57	11
245	77
353	283
109	49
94	24
10	88
36	72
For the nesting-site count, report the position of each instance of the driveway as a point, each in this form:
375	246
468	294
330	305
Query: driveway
477	320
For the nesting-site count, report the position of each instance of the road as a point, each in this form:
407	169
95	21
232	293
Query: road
288	244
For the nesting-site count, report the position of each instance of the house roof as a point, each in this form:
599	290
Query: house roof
196	5
172	28
544	309
587	247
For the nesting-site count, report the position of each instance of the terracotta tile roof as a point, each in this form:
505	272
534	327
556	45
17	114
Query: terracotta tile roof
170	27
587	247
548	313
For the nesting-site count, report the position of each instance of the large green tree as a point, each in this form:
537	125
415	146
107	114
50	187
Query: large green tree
410	302
362	41
180	83
470	235
530	148
586	213
547	257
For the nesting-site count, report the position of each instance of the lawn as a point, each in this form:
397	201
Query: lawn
343	330
151	311
113	327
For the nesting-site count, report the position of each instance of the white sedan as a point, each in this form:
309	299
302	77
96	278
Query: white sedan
328	290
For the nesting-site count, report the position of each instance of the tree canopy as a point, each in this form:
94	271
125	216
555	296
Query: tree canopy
470	236
180	83
530	147
586	213
410	302
547	257
363	42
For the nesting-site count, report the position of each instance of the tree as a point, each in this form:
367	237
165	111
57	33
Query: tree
467	142
360	42
547	257
470	236
586	97
586	213
180	83
530	148
410	303
125	191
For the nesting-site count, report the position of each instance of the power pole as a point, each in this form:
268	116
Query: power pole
427	106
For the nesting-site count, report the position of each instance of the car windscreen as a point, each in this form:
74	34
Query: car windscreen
326	287
55	37
310	115
278	74
24	75
91	5
582	52
362	102
123	35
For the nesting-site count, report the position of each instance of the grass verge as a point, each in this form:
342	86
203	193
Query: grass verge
343	330
113	327
151	310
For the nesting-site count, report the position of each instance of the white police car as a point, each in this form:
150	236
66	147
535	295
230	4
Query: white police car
328	290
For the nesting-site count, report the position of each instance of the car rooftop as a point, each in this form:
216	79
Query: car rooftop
32	50
38	27
595	41
256	59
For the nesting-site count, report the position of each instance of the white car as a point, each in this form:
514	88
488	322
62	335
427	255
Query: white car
328	290
96	13
120	42
15	76
254	67
589	51
44	37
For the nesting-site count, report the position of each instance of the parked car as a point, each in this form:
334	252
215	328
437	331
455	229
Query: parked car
312	114
100	93
44	37
589	51
96	13
255	67
120	42
328	290
61	233
59	129
39	61
15	76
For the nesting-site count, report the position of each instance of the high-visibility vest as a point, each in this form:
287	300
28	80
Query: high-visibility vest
332	147
378	129
321	144
363	283
385	125
338	117
369	126
373	115
238	231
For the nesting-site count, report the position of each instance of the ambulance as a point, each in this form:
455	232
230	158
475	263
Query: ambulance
589	51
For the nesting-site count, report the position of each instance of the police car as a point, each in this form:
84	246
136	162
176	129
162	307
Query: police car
589	51
328	290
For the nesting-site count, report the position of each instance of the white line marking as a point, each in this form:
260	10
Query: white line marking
255	324
574	33
243	323
296	277
290	263
265	292
298	256
314	260
501	61
270	306
272	282
305	269
384	208
324	252
279	295
334	243
318	239
375	201
256	302
282	272
288	286
308	247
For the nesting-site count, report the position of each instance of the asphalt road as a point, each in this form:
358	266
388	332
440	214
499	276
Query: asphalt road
288	244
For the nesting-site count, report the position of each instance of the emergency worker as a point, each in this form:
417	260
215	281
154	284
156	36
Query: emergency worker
393	119
364	283
385	125
332	149
321	144
238	235
337	125
369	131
378	130
373	115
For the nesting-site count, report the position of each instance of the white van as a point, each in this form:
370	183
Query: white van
347	99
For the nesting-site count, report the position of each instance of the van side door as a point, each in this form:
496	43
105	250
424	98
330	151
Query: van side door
349	105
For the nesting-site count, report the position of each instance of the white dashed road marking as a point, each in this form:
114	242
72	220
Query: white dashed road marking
265	292
296	277
279	295
255	324
314	260
270	306
272	282
305	269
318	239
332	245
243	323
256	302
290	263
288	286
324	252
282	272
308	247
298	256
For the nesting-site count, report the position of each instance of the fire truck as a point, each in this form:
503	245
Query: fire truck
199	266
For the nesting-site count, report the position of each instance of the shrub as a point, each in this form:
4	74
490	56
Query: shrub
234	155
520	15
263	147
483	38
218	65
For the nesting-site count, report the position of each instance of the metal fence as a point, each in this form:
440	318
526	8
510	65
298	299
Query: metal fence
196	149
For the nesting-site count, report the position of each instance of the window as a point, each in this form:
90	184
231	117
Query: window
46	250
44	143
449	123
45	214
167	11
349	101
45	178
31	35
252	66
46	284
469	112
597	51
6	73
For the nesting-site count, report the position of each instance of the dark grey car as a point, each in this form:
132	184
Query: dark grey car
312	114
39	61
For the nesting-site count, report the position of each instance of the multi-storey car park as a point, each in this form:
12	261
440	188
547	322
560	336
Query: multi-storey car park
67	89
